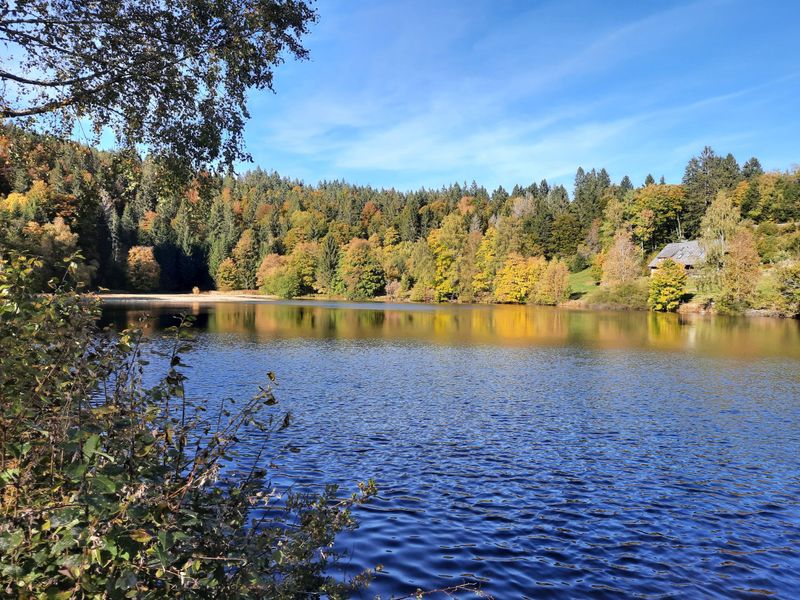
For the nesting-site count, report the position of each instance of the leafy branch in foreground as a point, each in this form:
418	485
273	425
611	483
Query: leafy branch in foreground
171	75
109	489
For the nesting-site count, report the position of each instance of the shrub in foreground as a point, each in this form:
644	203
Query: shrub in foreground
109	489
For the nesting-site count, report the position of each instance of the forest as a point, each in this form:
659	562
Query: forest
137	224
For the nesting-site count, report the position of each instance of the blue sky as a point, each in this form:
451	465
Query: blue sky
425	93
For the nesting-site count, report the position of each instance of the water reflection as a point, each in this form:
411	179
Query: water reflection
544	452
475	324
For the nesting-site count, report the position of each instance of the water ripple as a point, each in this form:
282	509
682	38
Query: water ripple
541	471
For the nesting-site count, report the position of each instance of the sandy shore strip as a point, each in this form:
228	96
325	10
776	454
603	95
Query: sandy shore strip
187	298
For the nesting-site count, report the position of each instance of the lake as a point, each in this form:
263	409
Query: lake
544	453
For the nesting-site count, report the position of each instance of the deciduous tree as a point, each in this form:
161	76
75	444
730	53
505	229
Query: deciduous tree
667	286
173	76
144	272
622	262
360	272
740	273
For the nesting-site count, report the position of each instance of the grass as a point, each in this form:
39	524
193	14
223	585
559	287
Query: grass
626	296
581	283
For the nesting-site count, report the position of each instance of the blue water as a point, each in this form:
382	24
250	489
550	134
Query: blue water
613	465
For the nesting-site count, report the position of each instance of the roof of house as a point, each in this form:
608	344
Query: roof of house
687	253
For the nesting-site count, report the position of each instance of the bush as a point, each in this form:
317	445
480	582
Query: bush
667	286
393	289
109	489
143	270
270	266
578	262
286	284
789	287
627	296
227	276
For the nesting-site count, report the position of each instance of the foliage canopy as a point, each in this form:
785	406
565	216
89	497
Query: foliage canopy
173	76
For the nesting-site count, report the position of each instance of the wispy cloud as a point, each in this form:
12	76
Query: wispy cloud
453	98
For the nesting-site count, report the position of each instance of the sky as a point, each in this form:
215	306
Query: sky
426	93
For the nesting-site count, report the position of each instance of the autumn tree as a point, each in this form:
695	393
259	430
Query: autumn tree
303	261
422	270
622	262
467	266
655	214
667	286
740	273
566	235
227	276
271	265
517	278
446	243
360	272
486	263
717	227
144	272
552	286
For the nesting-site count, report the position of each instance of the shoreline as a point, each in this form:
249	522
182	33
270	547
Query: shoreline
186	297
254	297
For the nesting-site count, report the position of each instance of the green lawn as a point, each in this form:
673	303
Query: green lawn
581	283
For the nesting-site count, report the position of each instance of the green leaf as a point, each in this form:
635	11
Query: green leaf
104	484
90	445
141	536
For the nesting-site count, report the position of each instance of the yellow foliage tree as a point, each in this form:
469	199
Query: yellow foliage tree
486	263
667	286
143	269
14	202
518	277
446	244
303	261
227	275
553	285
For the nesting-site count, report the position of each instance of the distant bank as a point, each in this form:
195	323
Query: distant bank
187	298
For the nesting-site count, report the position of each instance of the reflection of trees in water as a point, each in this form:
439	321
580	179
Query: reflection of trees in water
666	330
501	325
150	318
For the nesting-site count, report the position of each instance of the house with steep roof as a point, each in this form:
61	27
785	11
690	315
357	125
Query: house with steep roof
689	254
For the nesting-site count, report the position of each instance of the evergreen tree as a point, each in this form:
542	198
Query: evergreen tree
589	199
752	168
704	177
327	264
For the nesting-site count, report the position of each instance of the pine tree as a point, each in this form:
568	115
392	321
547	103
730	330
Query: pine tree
327	264
752	168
